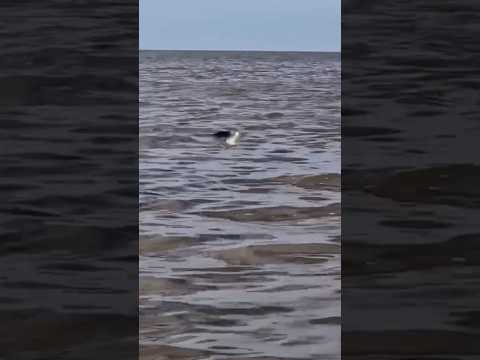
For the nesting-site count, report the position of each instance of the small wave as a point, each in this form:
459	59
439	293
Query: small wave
274	115
274	214
278	253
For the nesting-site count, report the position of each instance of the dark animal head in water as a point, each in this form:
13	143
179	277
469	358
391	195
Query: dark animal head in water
230	137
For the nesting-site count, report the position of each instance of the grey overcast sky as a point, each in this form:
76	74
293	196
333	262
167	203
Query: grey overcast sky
276	25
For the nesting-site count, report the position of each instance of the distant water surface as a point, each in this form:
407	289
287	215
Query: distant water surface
240	247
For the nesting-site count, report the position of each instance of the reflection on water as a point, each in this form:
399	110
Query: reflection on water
239	246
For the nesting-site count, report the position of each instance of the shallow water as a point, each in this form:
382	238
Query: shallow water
240	246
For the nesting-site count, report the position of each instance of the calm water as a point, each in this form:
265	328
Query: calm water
240	247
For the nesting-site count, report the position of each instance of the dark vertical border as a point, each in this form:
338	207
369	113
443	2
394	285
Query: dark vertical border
410	130
69	180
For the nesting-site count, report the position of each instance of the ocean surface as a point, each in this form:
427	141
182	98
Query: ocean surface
410	175
240	246
69	179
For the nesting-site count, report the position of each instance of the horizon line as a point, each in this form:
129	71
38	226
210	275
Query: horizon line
246	50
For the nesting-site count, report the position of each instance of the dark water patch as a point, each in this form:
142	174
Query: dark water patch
108	129
415	151
37	285
414	344
220	189
253	311
274	115
85	307
284	288
278	158
17	124
249	168
125	191
353	112
446	136
33	333
221	322
281	151
57	201
75	267
240	181
304	341
98	151
9	301
51	156
454	185
311	182
173	206
122	258
361	131
218	347
63	90
278	253
84	239
29	212
273	214
110	139
17	187
416	224
223	269
170	286
14	171
416	212
468	319
384	139
226	279
313	198
425	113
227	236
333	320
372	258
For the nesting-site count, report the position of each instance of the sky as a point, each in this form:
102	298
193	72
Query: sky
270	25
